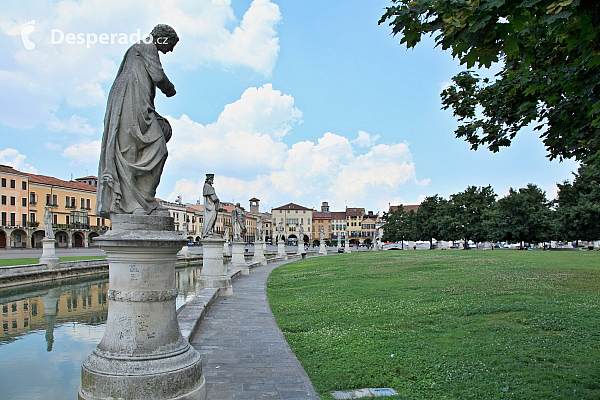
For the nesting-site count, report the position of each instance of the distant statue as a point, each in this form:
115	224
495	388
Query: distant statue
301	234
280	231
211	206
226	236
48	223
134	142
237	220
322	234
259	229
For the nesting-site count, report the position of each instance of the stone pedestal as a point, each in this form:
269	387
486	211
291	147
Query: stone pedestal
142	354
346	246
322	248
300	248
259	254
226	250
214	273
237	258
281	250
49	253
184	252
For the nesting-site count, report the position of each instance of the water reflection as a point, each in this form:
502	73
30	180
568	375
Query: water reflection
48	330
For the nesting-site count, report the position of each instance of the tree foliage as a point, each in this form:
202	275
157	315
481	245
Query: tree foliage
550	50
469	209
522	216
578	206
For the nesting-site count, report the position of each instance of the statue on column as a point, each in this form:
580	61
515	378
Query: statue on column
280	231
134	142
48	223
321	234
237	220
211	206
259	229
301	236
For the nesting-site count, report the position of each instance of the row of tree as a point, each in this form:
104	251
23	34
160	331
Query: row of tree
524	215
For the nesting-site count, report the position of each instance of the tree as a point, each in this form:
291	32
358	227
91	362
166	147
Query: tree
523	215
578	206
550	50
469	209
399	226
428	219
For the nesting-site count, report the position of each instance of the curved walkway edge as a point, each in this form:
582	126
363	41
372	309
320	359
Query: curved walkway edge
244	353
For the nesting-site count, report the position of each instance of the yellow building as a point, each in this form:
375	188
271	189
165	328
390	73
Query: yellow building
72	205
293	216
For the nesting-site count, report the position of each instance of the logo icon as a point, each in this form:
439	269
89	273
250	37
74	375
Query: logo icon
27	29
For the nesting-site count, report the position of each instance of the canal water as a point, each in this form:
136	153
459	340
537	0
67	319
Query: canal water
48	330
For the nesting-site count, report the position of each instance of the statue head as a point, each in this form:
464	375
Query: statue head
164	38
210	178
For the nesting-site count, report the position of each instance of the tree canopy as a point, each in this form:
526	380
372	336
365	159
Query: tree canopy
550	51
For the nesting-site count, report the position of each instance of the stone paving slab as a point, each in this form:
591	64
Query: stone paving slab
244	353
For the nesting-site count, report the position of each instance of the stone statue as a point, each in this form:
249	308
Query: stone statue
237	220
301	234
48	223
259	229
211	206
134	142
322	234
280	231
226	236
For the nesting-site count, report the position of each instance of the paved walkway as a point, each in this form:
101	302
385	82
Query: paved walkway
244	354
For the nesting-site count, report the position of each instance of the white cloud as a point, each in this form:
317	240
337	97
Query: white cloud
83	153
41	80
245	139
13	158
244	149
75	124
365	139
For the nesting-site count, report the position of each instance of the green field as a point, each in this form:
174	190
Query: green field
445	324
26	261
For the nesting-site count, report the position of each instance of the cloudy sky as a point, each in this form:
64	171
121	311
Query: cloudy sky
288	101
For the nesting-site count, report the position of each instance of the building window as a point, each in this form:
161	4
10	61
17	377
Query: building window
13	184
13	222
13	201
72	202
67	219
4	219
32	217
3	182
24	201
55	218
23	219
97	221
87	204
24	185
82	203
32	198
4	200
67	201
55	200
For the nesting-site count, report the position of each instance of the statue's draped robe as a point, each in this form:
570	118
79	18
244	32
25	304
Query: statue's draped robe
211	207
134	147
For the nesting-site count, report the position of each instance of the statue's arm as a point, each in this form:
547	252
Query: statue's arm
154	67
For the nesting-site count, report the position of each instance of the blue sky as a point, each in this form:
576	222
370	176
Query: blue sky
288	101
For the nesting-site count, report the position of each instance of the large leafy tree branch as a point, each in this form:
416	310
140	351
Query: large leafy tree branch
550	51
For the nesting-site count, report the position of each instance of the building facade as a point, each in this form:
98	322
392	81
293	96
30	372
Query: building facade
26	195
293	216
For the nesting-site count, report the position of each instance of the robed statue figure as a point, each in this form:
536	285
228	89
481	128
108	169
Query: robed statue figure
134	142
211	206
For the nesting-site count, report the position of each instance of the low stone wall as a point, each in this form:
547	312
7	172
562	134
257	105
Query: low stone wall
35	273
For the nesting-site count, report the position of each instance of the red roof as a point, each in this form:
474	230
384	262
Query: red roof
406	208
355	211
321	215
292	206
338	215
49	180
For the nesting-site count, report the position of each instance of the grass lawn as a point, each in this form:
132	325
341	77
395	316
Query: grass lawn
445	324
25	261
